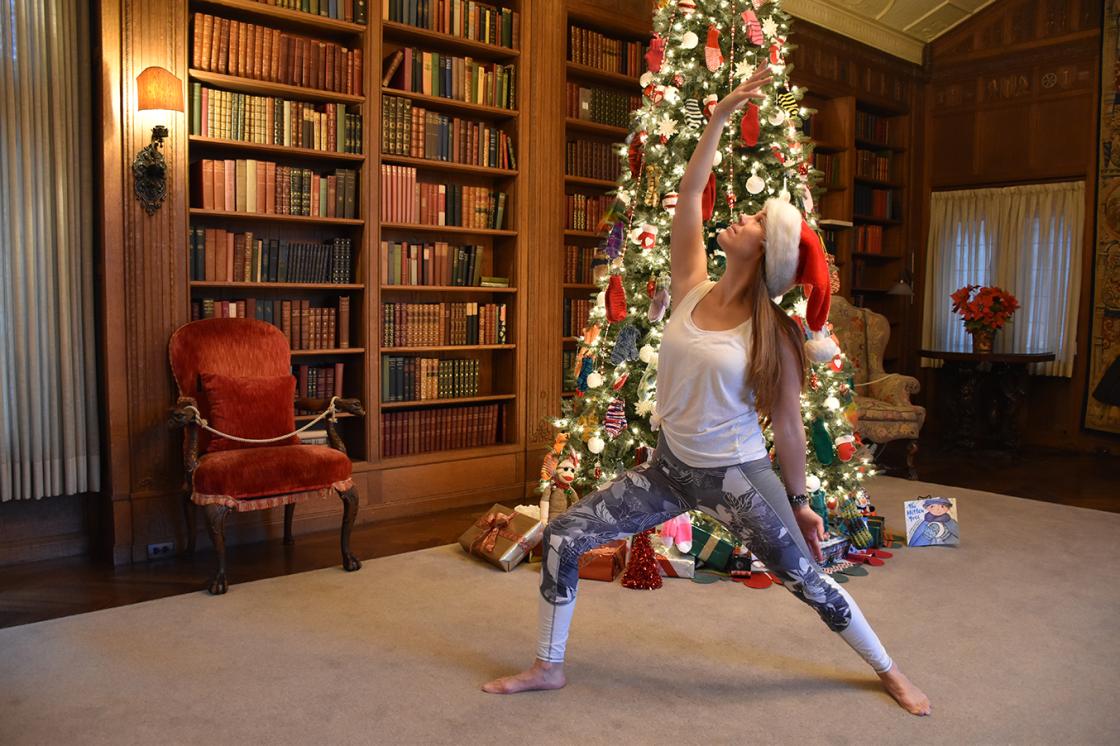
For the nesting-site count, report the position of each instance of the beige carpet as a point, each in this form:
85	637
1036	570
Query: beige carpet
1013	635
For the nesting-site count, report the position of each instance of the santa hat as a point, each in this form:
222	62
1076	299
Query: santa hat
795	256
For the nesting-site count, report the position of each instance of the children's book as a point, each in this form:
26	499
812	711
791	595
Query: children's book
932	521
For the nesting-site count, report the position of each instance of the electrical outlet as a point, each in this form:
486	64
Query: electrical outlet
159	551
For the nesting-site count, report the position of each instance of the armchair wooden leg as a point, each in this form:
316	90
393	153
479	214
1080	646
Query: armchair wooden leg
289	511
349	514
911	457
191	514
216	525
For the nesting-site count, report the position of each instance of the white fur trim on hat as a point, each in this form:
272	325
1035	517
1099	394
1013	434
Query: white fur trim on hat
783	236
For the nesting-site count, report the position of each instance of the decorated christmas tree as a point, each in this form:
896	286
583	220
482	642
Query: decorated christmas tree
700	50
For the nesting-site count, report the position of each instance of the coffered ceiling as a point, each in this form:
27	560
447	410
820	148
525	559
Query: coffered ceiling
898	27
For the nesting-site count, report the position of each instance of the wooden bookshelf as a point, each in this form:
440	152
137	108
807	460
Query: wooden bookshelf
282	227
500	366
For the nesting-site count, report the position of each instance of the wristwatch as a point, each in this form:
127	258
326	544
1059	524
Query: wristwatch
798	501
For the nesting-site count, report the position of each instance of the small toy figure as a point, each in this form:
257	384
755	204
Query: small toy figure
557	475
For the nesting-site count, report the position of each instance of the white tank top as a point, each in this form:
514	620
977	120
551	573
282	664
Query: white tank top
704	409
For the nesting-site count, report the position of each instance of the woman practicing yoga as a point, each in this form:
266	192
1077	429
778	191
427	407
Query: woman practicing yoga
728	354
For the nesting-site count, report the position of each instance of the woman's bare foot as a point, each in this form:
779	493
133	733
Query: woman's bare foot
540	675
911	698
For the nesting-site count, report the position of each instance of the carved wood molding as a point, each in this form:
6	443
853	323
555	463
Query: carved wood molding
878	35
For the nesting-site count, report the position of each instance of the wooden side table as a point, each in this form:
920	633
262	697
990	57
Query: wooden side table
986	394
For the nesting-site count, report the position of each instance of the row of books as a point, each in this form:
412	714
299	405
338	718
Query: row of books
568	377
439	429
247	185
404	199
584	211
576	311
869	239
431	263
307	327
588	47
410	130
218	255
829	164
318	382
583	264
267	120
600	105
424	378
442	324
463	18
873	165
353	11
447	76
876	203
872	127
591	159
248	50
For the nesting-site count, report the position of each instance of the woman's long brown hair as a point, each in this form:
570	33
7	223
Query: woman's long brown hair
770	328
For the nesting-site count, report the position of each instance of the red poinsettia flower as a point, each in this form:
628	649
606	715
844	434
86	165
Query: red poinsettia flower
983	308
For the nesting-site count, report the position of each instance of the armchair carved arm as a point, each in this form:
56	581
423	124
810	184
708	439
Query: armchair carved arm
350	406
895	389
182	415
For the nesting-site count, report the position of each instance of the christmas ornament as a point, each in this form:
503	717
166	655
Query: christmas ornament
689	40
596	444
778	153
645	235
620	382
645	79
776	117
743	70
590	334
653	182
845	447
634	153
667	127
672	95
613	246
770	27
616	300
693	116
788	102
708	199
749	125
831	403
614	422
713	57
822	443
678	80
655	93
656	53
669	202
837	364
755	185
594	380
626	345
812	483
709	104
686	7
774	58
659	303
718	159
584	371
642	572
644	407
754	28
646	354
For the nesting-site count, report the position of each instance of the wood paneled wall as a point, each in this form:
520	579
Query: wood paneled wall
1013	98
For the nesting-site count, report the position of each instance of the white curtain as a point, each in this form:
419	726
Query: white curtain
48	386
1024	239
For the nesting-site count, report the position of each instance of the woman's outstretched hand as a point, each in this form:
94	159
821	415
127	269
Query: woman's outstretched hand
812	526
748	89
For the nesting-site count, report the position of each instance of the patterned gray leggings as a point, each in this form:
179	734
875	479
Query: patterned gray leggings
747	498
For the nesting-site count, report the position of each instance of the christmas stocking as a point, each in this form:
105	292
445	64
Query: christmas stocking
656	53
616	300
750	127
659	303
713	57
626	346
822	444
708	199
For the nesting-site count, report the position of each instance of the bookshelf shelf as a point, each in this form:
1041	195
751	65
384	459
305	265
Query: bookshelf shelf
441	457
596	75
448	348
197	212
445	402
281	17
261	286
265	88
580	286
309	417
878	182
218	143
583	234
828	147
434	165
869	256
445	289
585	181
455	105
870	145
333	351
595	128
875	220
404	32
448	229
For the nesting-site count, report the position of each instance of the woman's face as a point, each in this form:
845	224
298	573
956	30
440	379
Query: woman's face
744	240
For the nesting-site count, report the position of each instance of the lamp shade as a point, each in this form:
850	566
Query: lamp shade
158	88
900	288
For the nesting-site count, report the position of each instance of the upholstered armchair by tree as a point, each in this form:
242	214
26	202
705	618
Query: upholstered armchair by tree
234	377
882	399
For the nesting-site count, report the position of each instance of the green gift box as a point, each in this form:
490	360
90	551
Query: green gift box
710	549
875	526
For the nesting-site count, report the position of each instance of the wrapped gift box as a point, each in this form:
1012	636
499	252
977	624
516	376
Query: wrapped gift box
673	564
502	537
877	528
603	563
834	548
710	549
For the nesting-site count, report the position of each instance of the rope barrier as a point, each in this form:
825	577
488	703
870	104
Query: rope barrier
198	419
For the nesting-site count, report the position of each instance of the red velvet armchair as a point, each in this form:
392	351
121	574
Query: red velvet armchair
235	374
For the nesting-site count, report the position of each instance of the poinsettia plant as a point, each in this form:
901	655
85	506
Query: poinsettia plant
984	308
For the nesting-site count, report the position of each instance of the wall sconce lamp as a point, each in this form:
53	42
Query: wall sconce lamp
156	88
